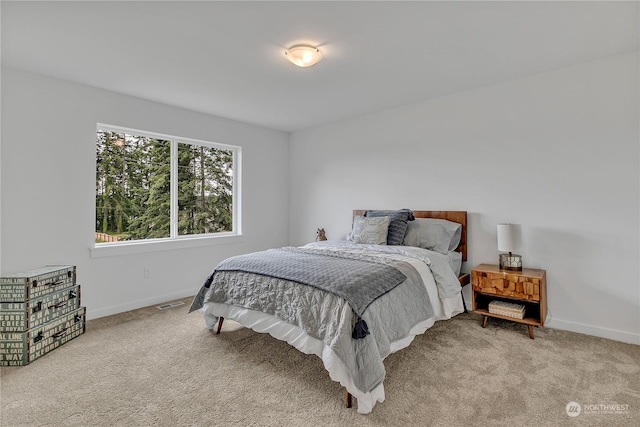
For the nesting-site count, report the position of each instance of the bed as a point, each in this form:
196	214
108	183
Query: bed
350	302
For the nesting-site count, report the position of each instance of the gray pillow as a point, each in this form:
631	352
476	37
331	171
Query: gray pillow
371	231
398	224
434	234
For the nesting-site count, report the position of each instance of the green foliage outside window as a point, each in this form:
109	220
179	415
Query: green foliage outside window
133	187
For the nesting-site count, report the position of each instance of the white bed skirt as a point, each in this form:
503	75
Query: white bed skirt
265	323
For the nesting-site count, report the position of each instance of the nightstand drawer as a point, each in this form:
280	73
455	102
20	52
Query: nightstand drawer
507	285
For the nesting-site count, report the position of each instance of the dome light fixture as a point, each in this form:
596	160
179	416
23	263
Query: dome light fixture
303	55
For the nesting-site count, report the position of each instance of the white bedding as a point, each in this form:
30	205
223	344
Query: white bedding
443	308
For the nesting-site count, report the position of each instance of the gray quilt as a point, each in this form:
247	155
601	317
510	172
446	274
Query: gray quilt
358	281
328	317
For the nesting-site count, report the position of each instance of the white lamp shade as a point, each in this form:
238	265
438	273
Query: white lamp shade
509	237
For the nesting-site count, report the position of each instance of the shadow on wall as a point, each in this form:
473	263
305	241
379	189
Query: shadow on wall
585	284
482	245
588	287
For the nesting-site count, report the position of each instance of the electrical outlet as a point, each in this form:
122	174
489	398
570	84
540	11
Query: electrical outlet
147	273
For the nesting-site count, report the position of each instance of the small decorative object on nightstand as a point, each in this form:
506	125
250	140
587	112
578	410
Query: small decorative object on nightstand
509	241
509	295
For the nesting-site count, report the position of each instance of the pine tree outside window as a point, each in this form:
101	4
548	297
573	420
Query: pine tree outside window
151	186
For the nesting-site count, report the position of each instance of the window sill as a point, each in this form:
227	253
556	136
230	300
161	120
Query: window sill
100	250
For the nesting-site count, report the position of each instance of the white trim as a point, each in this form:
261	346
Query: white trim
165	137
612	334
173	191
237	190
134	305
152	245
137	246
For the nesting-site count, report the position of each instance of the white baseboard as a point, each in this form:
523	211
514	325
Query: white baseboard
564	325
133	305
581	328
611	334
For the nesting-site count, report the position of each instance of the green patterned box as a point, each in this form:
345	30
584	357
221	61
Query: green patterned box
20	287
22	348
22	316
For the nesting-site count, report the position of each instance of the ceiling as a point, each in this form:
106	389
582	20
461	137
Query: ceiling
227	58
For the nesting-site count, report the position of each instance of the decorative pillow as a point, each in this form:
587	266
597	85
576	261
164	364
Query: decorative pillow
371	231
397	226
434	234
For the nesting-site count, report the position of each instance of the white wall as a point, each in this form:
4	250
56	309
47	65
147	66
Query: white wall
556	152
48	189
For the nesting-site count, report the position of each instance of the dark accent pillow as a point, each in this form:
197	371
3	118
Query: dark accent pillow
398	224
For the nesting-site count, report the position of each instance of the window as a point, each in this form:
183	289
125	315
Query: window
151	186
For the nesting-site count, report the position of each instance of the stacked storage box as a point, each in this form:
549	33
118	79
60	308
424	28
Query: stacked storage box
39	311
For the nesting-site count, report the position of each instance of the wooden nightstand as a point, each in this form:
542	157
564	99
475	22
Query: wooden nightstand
527	287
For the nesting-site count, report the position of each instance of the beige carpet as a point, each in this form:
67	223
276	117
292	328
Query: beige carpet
152	367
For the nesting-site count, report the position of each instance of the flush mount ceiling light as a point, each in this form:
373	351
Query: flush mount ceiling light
303	55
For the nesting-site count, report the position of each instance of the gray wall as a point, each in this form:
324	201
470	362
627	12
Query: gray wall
556	152
48	190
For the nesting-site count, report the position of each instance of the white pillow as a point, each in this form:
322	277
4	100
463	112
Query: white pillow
371	230
434	234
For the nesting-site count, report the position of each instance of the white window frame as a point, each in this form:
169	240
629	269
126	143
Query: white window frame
175	241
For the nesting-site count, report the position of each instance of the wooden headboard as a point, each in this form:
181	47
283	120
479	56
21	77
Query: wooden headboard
455	216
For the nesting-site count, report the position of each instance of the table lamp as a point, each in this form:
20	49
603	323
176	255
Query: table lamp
509	241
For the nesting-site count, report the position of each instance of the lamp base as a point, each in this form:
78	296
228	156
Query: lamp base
510	262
